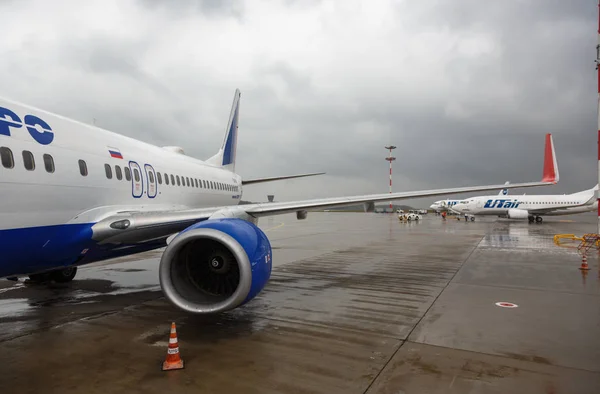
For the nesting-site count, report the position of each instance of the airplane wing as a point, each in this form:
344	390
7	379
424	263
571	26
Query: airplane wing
138	227
278	178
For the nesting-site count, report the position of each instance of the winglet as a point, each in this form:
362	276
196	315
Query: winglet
550	164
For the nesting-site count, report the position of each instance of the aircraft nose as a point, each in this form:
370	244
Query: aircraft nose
458	207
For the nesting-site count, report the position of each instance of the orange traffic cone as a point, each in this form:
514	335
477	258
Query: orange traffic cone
584	264
173	360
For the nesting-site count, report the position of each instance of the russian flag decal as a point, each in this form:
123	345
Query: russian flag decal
115	153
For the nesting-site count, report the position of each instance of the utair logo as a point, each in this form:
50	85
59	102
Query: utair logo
38	129
502	203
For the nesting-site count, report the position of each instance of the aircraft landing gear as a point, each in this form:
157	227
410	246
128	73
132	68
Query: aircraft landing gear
537	219
59	276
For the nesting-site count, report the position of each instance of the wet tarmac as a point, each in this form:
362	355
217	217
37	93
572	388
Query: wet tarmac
357	303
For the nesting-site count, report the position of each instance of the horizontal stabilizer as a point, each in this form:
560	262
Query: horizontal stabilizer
278	178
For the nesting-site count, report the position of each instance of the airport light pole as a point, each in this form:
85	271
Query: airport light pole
390	158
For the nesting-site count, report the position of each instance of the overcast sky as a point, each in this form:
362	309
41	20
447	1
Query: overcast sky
466	89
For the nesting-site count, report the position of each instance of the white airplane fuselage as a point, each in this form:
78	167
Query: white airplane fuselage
45	217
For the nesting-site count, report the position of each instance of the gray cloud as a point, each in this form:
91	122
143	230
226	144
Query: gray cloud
465	90
208	7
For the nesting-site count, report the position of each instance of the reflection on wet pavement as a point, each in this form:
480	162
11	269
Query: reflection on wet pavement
357	303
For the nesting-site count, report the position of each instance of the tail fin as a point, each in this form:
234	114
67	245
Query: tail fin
225	157
550	165
504	192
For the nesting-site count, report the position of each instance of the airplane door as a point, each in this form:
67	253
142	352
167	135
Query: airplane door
150	180
478	203
137	183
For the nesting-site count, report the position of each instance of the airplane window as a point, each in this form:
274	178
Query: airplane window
151	176
196	182
118	172
28	160
204	184
178	181
7	157
188	180
108	170
49	163
166	178
83	168
172	180
136	175
159	178
127	174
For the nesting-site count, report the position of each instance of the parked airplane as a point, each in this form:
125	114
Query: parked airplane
531	207
73	194
445	205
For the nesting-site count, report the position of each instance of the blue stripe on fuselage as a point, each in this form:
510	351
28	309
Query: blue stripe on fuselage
35	249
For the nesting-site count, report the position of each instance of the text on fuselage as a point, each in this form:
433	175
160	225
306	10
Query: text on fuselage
37	128
501	203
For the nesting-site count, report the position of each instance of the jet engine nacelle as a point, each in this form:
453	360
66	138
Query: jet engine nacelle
515	213
215	265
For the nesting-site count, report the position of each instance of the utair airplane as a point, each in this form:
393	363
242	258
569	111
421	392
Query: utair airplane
531	207
73	194
445	205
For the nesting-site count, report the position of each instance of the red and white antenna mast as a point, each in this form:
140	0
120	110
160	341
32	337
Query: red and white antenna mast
598	70
390	158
